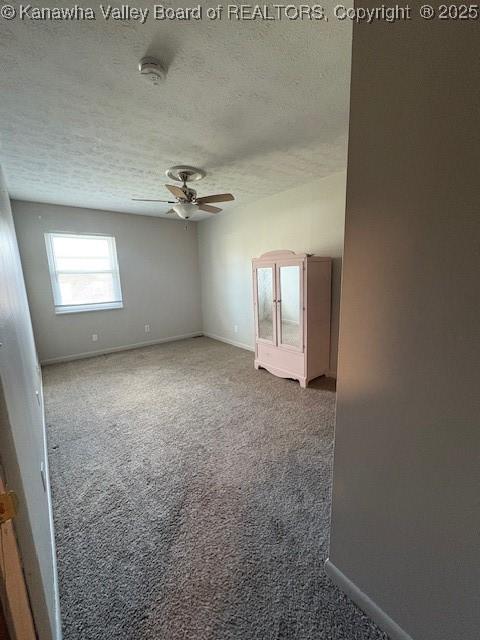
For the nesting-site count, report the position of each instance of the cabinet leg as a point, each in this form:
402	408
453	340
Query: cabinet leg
303	383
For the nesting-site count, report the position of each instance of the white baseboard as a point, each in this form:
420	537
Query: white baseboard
139	345
126	347
366	604
241	345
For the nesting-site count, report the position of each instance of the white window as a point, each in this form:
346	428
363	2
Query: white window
84	272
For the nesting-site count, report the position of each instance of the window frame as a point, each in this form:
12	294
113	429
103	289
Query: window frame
60	308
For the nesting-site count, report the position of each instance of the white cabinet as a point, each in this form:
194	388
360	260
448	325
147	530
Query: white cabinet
292	314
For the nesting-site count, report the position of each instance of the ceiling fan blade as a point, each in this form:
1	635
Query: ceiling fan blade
206	207
219	197
148	200
176	191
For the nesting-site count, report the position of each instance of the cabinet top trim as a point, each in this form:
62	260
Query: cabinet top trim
285	254
282	253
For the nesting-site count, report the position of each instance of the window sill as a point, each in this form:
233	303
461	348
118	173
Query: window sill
82	308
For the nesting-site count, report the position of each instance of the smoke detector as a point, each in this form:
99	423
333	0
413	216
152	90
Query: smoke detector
152	70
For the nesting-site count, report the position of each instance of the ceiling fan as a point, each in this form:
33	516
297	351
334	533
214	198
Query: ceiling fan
186	202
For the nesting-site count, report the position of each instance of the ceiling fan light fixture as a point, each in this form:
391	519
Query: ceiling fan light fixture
187	203
185	209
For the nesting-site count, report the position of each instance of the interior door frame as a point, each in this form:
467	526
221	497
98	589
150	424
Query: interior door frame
301	303
14	595
272	266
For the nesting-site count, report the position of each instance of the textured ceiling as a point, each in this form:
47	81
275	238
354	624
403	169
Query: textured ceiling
260	105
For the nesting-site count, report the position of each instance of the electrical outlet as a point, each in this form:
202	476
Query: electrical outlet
147	328
94	337
235	328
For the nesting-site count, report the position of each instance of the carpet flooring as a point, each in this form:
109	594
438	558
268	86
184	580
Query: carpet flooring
191	499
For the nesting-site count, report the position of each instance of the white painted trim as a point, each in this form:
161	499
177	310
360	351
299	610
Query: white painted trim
366	604
240	345
126	347
58	635
85	308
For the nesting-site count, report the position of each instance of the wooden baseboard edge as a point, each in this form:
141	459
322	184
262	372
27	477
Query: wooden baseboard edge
126	347
367	605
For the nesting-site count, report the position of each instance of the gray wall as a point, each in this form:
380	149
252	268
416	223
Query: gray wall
158	264
22	431
406	517
309	219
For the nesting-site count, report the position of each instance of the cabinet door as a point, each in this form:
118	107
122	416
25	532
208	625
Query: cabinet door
265	320
290	306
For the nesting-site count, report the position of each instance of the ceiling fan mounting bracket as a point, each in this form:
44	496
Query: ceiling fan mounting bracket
184	173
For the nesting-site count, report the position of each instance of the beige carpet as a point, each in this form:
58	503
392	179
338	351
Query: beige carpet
191	499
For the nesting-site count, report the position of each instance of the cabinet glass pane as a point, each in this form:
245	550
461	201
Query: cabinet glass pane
290	305
265	302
